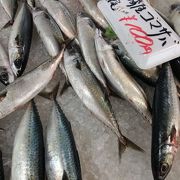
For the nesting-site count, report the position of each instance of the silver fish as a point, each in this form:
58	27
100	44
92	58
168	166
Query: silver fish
44	28
62	16
10	6
62	160
27	87
20	40
121	81
6	74
86	32
28	150
166	124
175	17
91	8
148	76
87	88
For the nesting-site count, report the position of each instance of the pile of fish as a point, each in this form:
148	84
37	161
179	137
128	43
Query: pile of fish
96	67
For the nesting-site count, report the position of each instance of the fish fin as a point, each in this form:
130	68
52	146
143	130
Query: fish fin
65	177
133	145
64	87
173	134
113	93
8	24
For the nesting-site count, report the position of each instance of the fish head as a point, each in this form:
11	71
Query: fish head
16	60
72	55
83	17
164	162
17	66
6	76
100	42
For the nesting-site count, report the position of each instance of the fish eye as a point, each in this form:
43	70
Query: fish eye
164	168
17	63
4	76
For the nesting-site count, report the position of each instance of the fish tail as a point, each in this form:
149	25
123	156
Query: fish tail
133	145
126	142
8	24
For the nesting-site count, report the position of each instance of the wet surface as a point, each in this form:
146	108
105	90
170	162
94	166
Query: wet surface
97	145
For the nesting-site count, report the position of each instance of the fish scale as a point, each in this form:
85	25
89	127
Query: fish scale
28	151
97	92
166	123
119	79
62	16
20	40
62	146
87	88
86	31
11	99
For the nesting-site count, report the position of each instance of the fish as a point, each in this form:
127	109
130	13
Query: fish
175	17
20	40
6	73
25	88
120	80
88	90
28	151
45	30
149	76
165	124
1	167
10	7
61	155
86	32
91	8
62	16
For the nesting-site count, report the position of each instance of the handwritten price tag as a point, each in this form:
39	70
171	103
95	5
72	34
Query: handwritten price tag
149	40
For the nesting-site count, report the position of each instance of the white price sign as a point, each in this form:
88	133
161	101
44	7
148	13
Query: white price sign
149	40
